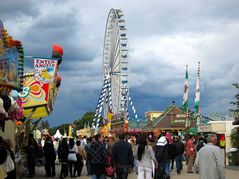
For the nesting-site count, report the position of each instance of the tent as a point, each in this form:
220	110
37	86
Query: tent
58	134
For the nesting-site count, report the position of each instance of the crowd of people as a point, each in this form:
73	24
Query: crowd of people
150	156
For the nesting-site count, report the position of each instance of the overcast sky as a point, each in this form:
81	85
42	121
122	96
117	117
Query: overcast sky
163	36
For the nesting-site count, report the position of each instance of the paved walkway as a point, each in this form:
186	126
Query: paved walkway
230	174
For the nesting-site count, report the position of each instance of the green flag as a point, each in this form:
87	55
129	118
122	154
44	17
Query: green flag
186	92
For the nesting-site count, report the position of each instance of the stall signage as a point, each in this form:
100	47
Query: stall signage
181	116
204	128
179	121
45	70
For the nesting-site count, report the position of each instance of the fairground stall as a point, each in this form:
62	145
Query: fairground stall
173	119
223	131
40	88
11	83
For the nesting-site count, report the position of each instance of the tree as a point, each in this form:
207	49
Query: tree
235	131
235	137
236	103
62	128
85	120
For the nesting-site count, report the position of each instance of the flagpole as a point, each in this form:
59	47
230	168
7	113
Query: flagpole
187	124
198	91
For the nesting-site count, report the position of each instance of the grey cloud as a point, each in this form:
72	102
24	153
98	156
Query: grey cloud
13	9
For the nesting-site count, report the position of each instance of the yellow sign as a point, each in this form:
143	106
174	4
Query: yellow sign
70	131
38	112
34	97
34	93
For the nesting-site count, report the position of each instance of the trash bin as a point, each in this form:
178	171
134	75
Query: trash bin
233	157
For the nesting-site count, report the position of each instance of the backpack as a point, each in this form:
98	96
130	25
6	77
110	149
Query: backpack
8	165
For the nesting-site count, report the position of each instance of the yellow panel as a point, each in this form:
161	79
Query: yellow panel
41	111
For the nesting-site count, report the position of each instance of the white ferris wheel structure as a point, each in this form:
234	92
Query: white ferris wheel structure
114	96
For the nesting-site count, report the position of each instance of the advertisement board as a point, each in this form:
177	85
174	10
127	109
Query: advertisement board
45	70
35	96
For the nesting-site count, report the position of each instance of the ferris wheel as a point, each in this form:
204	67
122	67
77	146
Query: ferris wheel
114	95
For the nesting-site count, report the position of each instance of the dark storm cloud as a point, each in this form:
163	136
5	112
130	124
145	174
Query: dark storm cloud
13	9
59	29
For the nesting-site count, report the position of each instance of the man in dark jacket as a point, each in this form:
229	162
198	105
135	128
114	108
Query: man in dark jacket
32	151
161	154
122	157
98	157
179	157
50	156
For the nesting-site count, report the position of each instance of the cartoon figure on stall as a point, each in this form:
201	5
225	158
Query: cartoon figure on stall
45	74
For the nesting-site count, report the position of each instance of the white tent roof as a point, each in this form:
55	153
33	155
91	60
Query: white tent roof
58	134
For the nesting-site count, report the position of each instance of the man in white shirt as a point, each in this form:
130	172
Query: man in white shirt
210	160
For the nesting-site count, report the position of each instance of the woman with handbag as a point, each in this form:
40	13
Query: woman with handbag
145	156
81	156
72	159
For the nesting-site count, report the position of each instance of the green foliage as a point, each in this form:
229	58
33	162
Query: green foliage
85	120
235	131
235	138
62	128
236	102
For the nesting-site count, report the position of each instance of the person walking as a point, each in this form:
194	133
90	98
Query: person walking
122	157
81	156
50	157
63	151
200	143
190	153
98	158
87	149
171	153
179	155
161	154
72	159
144	155
32	151
210	160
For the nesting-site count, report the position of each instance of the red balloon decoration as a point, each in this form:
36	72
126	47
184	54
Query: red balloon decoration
57	52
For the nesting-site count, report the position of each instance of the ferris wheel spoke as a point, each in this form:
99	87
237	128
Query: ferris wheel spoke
116	57
115	93
115	48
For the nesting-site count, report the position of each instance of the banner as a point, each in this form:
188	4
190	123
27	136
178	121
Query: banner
45	70
186	92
